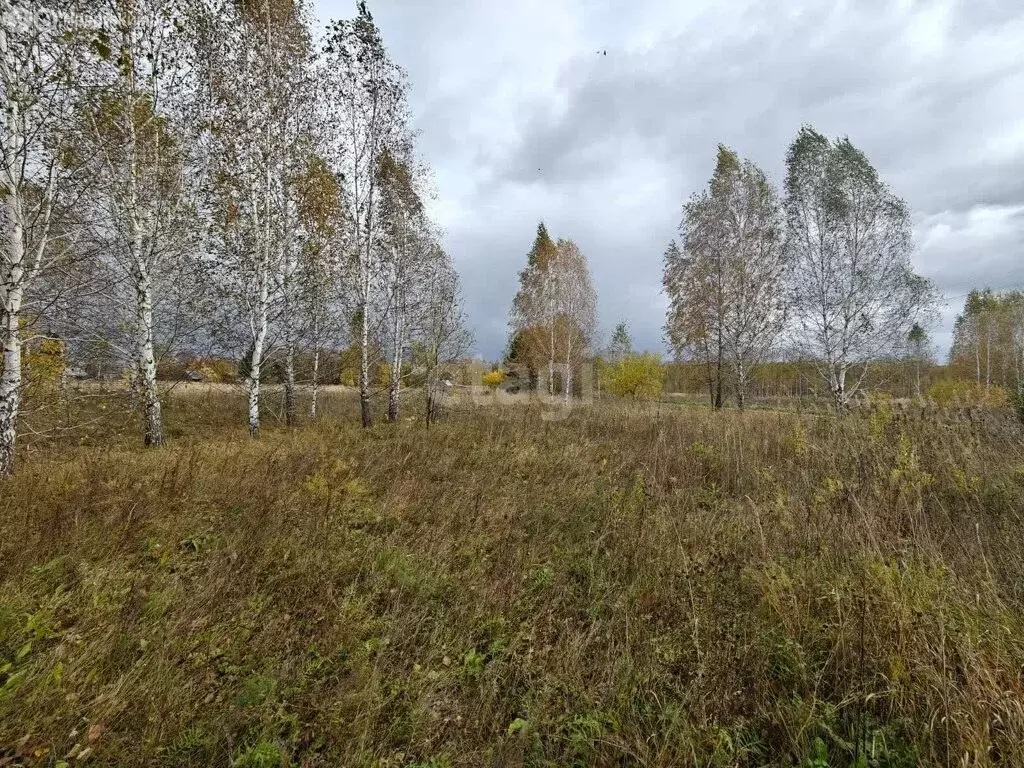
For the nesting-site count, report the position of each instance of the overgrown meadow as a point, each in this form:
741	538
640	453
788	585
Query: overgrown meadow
627	586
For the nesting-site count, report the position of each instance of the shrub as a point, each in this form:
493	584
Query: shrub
962	393
640	377
493	379
1017	401
43	363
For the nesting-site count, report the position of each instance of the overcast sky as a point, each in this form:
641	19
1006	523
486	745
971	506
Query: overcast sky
523	116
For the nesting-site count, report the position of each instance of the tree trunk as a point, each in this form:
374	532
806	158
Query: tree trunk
711	379
741	383
289	383
364	360
316	383
253	381
718	383
397	342
839	389
551	362
153	420
10	378
718	373
431	392
977	359
568	370
394	385
988	359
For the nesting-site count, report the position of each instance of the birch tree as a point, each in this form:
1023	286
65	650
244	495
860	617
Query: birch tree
321	215
621	345
140	206
370	117
302	131
694	281
405	243
985	336
534	307
575	306
725	287
853	292
919	352
755	267
41	56
251	48
441	334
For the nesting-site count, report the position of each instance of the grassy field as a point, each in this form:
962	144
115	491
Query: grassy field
622	587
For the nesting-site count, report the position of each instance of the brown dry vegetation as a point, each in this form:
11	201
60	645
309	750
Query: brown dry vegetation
622	587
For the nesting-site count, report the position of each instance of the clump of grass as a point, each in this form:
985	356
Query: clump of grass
627	586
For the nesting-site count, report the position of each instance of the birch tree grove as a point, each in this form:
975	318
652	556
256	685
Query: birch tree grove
988	339
254	50
42	55
725	288
370	117
211	172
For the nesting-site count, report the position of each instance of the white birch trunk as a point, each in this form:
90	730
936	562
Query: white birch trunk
12	279
10	379
253	381
365	262
145	364
551	362
364	350
154	429
568	363
395	383
260	328
839	388
288	286
314	390
741	382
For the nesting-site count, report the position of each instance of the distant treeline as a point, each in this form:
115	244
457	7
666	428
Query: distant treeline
801	379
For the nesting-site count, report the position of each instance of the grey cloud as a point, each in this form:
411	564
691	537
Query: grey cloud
929	90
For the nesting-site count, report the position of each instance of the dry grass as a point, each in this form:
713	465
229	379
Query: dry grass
626	586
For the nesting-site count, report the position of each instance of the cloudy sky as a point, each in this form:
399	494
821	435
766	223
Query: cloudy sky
602	116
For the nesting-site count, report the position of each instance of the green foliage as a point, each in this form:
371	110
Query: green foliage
638	377
962	393
1017	402
621	345
262	754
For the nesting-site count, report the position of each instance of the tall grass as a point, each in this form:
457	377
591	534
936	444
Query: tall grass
627	586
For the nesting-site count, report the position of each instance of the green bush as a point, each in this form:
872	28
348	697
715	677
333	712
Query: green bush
639	377
963	393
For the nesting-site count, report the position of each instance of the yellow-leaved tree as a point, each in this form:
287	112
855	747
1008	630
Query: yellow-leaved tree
640	377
